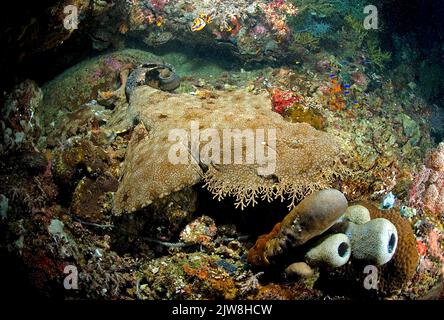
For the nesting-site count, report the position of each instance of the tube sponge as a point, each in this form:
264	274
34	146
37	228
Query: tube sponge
334	252
401	269
310	218
374	242
357	214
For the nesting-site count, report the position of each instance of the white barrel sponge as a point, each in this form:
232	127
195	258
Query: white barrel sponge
332	252
374	242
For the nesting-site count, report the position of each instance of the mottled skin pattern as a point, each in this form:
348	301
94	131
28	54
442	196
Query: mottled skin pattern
167	79
313	216
136	78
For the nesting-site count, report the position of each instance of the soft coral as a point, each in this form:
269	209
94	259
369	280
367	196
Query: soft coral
282	100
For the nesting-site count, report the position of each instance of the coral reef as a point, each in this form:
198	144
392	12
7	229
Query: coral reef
189	276
300	113
427	190
201	231
283	100
92	198
254	30
93	185
293	291
81	84
274	17
82	155
380	156
20	125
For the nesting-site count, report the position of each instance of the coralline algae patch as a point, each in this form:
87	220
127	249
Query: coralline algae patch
190	276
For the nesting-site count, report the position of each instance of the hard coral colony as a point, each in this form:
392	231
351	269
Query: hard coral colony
217	149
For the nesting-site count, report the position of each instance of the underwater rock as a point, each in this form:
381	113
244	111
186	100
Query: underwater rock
19	123
435	159
84	120
373	242
4	206
170	214
32	161
163	220
308	159
310	218
81	84
332	252
42	28
411	129
81	156
92	198
200	231
27	182
155	39
289	291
